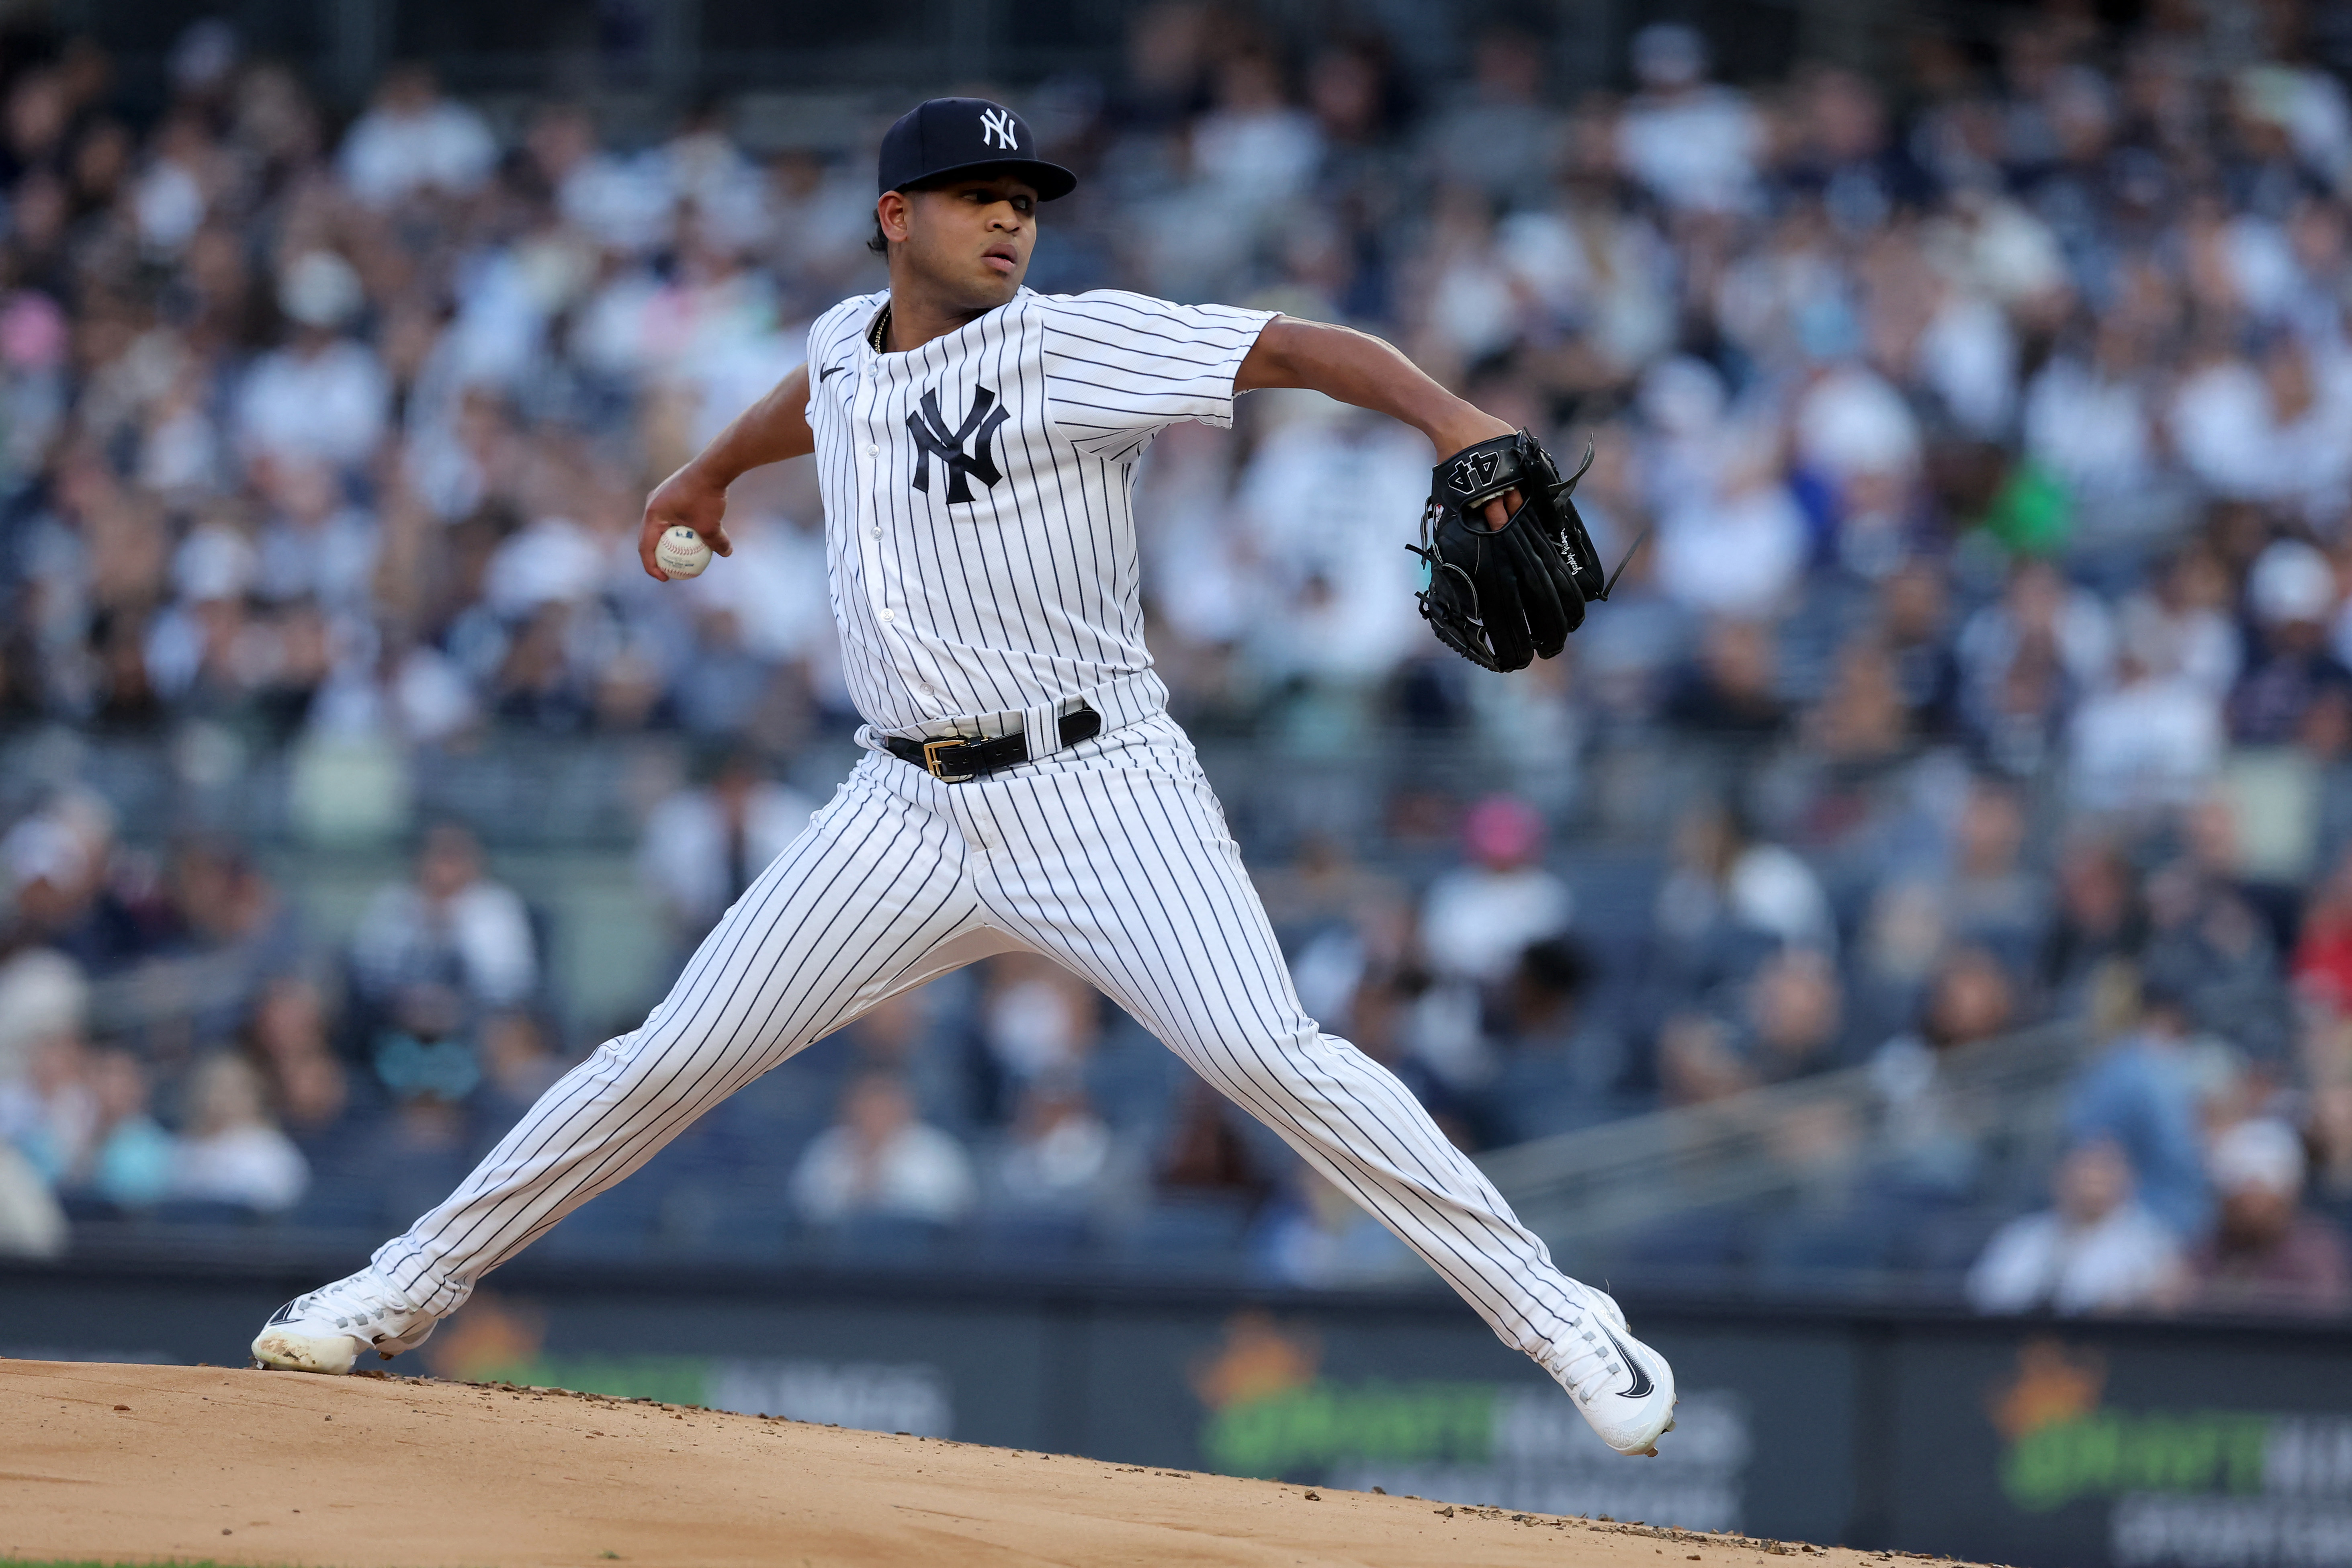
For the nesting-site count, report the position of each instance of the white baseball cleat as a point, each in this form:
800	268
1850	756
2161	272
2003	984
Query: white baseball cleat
1626	1389
328	1328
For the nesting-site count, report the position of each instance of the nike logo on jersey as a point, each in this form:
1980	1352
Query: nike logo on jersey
1642	1386
830	370
934	440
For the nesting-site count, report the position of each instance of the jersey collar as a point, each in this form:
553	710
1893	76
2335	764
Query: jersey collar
950	341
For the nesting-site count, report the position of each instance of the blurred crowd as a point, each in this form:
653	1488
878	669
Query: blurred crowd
1990	661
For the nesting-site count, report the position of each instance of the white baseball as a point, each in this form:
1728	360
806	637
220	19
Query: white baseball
681	552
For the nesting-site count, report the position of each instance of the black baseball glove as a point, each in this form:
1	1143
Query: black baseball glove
1499	596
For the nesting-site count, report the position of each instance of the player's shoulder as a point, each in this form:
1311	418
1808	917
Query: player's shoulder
844	321
1118	319
1104	305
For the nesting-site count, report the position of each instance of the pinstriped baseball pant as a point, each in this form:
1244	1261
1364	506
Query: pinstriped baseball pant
1112	858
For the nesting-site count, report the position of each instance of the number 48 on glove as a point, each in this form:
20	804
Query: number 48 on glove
1499	596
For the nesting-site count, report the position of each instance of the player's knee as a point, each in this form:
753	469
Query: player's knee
1279	1054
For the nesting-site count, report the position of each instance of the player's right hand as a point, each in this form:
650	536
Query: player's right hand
689	497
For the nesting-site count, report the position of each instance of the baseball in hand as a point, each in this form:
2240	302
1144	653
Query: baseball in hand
681	552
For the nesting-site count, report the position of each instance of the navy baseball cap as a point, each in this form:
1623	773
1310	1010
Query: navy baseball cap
964	138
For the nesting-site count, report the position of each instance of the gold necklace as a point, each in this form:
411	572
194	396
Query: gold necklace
881	329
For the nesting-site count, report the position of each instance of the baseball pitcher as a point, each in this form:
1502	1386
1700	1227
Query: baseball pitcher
1024	787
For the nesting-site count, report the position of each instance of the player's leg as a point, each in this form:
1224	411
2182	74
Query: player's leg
872	897
1118	864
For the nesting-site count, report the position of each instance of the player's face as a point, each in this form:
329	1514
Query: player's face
970	241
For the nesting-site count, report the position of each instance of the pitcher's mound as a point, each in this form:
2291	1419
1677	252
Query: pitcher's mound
125	1463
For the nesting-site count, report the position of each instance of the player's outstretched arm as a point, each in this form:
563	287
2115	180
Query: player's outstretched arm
1357	368
771	430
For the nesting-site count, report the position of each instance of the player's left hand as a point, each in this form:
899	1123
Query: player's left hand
688	497
1502	593
1477	425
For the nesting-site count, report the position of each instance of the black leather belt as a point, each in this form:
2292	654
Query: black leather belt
953	761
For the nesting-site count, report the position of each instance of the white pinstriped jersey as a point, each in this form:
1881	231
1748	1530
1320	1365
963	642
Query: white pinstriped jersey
980	537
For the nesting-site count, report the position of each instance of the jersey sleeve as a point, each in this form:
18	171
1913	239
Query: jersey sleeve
833	340
1121	367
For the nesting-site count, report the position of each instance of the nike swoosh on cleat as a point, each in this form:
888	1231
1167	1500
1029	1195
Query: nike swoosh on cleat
1642	1385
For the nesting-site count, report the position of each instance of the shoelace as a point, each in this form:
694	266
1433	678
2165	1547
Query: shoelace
370	1308
1586	1357
1588	1361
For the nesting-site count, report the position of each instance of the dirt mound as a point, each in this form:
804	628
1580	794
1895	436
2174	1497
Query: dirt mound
121	1463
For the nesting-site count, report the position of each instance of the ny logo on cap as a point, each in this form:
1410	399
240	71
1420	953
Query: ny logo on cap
996	130
934	440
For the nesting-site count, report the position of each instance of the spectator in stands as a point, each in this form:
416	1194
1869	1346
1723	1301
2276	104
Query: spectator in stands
47	1111
1788	1021
2293	596
31	1223
232	1153
449	925
1499	131
126	1162
1062	1158
2322	965
1936	1142
1731	687
1734	895
52	884
413	142
1795	1022
1735	549
2025	661
904	1036
703	846
2327	1139
317	547
1037	1020
2142	1094
1914	614
1991	899
323	397
1698	1060
44	996
1205	1156
2211	944
2150	738
2266	1253
1693	146
1316	1237
1477	920
2185	621
877	1159
2096	1250
2101	916
1555	1067
223	907
304	1082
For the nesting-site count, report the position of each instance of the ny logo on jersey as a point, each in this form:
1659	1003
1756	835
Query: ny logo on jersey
996	130
934	440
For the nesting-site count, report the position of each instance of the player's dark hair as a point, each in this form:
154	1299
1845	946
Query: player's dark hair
880	243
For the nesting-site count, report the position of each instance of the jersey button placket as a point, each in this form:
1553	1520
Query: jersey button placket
869	495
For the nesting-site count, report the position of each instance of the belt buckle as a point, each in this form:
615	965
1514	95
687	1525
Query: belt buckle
932	750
